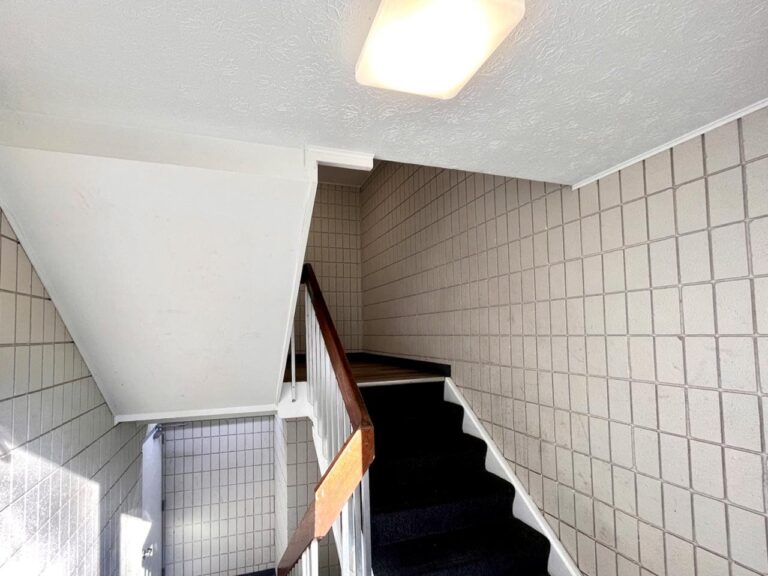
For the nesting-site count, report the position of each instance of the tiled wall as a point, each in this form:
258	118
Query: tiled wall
218	478
333	249
302	475
66	473
613	339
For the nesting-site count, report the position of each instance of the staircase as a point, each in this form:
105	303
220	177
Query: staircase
434	508
428	494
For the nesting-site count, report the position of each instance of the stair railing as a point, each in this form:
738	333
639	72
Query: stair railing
342	423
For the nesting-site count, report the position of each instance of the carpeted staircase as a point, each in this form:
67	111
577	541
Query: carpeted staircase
435	510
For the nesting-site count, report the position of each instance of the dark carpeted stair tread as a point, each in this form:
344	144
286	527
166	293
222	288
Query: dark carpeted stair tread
395	480
400	484
392	445
509	548
428	491
441	514
404	397
444	415
435	459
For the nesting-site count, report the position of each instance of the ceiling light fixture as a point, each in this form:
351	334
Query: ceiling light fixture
433	47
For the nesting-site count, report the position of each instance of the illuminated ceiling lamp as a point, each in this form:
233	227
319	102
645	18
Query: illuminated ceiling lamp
433	47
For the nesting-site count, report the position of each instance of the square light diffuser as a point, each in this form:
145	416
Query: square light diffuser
433	47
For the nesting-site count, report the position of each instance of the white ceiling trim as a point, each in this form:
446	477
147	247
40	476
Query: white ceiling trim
316	155
183	415
672	143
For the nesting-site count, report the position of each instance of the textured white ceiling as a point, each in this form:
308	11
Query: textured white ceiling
580	86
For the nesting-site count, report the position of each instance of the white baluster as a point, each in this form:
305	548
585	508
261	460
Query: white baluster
345	533
313	559
366	524
357	535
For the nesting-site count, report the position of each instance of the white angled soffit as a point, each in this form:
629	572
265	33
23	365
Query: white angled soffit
44	132
178	282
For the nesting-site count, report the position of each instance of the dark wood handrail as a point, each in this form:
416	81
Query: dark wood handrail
347	469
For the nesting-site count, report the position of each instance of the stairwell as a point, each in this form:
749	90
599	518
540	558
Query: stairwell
412	483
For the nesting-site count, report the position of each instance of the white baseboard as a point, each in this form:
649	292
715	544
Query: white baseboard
207	414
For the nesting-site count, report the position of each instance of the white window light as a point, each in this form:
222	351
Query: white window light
433	47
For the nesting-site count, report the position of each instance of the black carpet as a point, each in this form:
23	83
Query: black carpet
435	510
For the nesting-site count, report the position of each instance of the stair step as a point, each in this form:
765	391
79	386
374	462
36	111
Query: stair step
427	491
434	460
404	398
508	548
398	433
424	510
441	413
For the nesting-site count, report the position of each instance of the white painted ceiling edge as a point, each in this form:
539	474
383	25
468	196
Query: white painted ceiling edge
672	143
68	206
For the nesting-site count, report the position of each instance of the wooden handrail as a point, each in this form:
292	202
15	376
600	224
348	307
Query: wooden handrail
347	469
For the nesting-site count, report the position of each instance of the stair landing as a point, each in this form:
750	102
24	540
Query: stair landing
369	369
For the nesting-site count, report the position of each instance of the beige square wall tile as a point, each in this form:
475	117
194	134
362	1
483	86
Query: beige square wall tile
755	134
758	231
706	459
661	215
722	147
734	307
745	479
694	258
674	459
757	188
729	251
658	172
704	414
740	412
698	313
701	362
726	197
710	524
688	160
691	209
737	363
749	544
632	182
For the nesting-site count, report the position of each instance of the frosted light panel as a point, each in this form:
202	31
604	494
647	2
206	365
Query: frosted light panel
433	47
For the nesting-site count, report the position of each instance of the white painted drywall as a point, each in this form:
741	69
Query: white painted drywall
176	282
